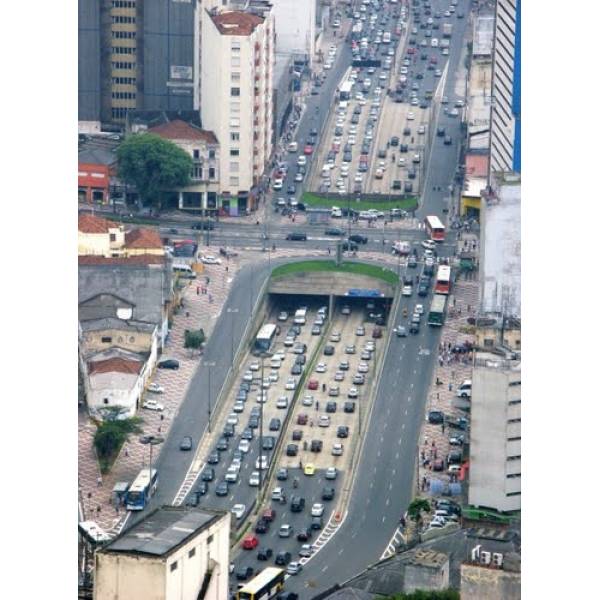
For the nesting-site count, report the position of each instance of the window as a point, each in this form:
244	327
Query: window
488	342
234	181
119	113
211	153
123	3
123	65
235	136
234	167
513	494
105	400
123	50
112	237
235	91
209	539
211	173
235	61
513	402
121	19
235	46
173	566
514	421
123	80
234	152
514	439
123	95
123	35
197	172
234	107
106	339
514	476
192	553
515	457
196	154
235	76
514	383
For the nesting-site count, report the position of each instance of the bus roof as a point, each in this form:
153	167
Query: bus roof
260	580
434	222
443	273
438	303
142	480
346	86
266	331
301	311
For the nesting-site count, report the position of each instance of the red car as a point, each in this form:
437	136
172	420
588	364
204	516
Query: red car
433	60
250	542
308	150
302	419
411	50
313	384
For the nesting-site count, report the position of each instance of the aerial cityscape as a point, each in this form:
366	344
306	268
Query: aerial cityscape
299	299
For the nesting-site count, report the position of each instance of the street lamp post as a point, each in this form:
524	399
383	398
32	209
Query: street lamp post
232	311
209	365
151	440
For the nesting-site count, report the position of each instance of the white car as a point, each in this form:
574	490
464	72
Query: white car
276	494
254	366
407	290
244	446
419	309
273	376
285	530
283	316
290	384
363	367
421	129
336	336
238	407
324	421
301	160
275	362
358	178
282	402
352	393
153	405
156	389
254	480
262	464
339	376
337	449
232	419
410	116
428	244
261	397
238	510
317	510
209	259
232	475
321	367
308	400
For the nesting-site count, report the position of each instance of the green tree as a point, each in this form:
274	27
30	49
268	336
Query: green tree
194	339
415	508
112	433
153	165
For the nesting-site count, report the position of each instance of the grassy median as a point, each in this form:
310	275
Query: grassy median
328	265
314	200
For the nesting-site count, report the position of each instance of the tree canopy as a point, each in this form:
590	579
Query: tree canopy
153	165
112	433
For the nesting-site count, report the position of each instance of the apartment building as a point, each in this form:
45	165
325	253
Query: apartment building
495	454
296	24
237	97
505	151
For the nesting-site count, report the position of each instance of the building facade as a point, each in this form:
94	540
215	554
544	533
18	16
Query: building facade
237	97
172	554
88	75
505	150
495	453
296	28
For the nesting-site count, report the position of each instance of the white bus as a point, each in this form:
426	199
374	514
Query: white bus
265	337
300	316
435	228
141	490
387	37
346	90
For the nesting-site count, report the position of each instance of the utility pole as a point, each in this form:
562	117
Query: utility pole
209	366
232	311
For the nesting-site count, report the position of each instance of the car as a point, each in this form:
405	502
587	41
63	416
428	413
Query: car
304	535
337	449
321	367
352	393
282	401
400	331
222	444
345	310
169	363
268	442
350	349
264	554
156	389
345	365
306	551
247	434
358	379
339	376
349	407
238	510
456	440
313	384
447	140
335	231
244	573
262	462
324	421
435	417
296	237
308	400
297	504
208	474
222	488
209	259
302	419
290	384
283	558
330	474
291	450
213	458
407	290
254	479
153	405
275	424
283	316
309	469
316	445
201	488
414	328
294	568
232	475
328	493
360	330
297	434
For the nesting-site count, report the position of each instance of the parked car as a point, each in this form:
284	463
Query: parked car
169	363
186	443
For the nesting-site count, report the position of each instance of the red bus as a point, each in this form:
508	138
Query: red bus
435	228
442	282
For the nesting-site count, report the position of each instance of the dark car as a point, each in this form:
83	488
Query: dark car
403	148
397	184
447	140
408	187
292	450
186	443
253	421
296	237
208	474
316	523
229	430
213	458
201	488
261	526
291	189
264	554
193	500
329	350
304	535
411	263
316	445
359	239
435	417
268	442
244	573
349	407
169	363
283	558
275	424
248	434
222	444
328	493
331	407
414	328
287	596
406	131
297	434
300	359
351	246
334	231
222	488
441	131
343	431
394	141
297	504
296	369
423	290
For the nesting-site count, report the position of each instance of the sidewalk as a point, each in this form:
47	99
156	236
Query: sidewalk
202	314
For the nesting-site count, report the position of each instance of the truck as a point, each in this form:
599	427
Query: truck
401	248
445	43
447	30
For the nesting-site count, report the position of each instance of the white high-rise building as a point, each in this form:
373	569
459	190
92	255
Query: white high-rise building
238	54
296	21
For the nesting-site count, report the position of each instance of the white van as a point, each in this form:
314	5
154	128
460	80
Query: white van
464	389
293	147
434	42
336	212
185	270
326	171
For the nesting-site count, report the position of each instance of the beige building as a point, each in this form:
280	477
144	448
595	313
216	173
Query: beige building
173	554
238	54
491	575
495	454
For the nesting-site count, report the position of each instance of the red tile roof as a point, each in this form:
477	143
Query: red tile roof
116	365
476	165
92	224
236	22
142	238
180	130
141	259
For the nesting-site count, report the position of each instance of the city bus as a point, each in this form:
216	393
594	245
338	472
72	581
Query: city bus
141	490
346	90
300	316
265	337
435	228
442	281
436	311
267	584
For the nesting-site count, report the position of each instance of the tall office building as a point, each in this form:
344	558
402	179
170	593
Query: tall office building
238	54
505	150
89	61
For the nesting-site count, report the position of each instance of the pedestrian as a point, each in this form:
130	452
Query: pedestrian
126	451
99	481
311	423
443	427
329	251
422	454
300	462
197	290
98	508
324	387
450	387
89	494
162	417
159	428
117	509
210	298
438	395
317	405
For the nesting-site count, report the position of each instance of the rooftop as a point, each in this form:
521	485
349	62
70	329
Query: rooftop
474	186
98	150
143	238
483	35
139	260
92	224
236	22
117	324
181	130
153	118
116	365
163	531
476	165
